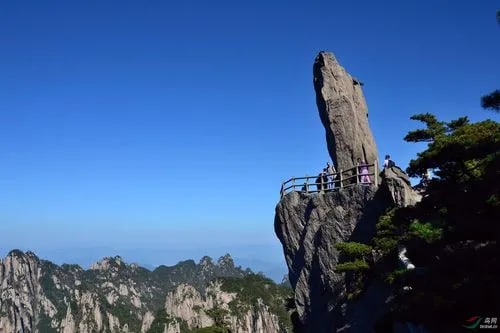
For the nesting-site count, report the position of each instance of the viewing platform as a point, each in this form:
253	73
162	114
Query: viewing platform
334	181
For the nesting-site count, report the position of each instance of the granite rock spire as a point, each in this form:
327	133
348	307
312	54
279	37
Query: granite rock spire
343	112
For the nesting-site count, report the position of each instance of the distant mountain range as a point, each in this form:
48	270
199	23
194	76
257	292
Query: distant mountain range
273	267
113	296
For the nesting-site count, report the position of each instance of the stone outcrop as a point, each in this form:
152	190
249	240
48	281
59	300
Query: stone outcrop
343	112
113	296
310	225
397	185
19	287
188	304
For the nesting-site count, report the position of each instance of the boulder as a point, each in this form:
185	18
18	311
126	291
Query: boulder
397	186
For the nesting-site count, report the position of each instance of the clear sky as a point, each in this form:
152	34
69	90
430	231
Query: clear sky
162	130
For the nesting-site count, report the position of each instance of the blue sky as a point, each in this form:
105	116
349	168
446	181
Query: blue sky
163	129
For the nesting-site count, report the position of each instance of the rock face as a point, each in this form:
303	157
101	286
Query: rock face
310	225
397	185
113	296
19	276
343	112
188	304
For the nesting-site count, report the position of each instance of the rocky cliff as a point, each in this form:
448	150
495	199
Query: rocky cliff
343	112
193	307
310	226
112	296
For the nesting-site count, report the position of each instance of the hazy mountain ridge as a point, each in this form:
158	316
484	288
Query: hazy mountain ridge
113	296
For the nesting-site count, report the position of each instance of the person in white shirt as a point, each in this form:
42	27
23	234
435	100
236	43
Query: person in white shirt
388	163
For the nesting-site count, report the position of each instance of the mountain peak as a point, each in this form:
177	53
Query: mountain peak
16	253
206	261
108	263
225	261
113	296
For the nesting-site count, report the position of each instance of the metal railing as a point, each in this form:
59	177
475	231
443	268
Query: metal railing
333	181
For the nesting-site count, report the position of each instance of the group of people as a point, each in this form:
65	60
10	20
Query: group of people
328	177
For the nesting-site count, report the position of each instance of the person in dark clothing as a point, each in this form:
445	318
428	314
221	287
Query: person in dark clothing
320	181
388	163
325	179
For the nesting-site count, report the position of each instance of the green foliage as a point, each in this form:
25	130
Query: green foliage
125	313
353	249
253	287
238	308
448	153
387	235
161	319
59	285
492	101
430	232
393	276
352	257
433	130
385	244
358	265
195	274
53	293
352	261
219	316
71	267
451	235
44	324
16	253
467	163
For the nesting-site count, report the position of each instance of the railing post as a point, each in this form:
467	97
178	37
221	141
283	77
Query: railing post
307	178
322	184
293	184
375	170
281	190
357	174
340	178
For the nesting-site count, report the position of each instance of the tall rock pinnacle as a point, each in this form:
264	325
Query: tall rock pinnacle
310	225
343	112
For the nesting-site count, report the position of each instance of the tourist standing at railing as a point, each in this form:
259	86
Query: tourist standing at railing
325	179
363	172
330	170
321	181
